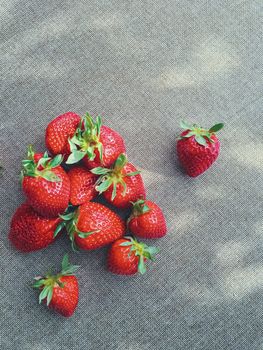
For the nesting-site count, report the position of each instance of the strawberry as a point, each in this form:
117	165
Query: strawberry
45	184
82	185
29	231
92	226
121	184
96	144
59	130
198	148
147	220
127	256
60	292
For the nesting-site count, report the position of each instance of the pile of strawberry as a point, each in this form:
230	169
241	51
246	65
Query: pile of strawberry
85	159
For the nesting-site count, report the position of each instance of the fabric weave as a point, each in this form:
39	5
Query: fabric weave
144	66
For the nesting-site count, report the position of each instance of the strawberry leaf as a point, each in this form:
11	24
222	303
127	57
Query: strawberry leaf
216	127
133	173
65	262
120	162
49	294
43	294
43	162
68	216
85	234
104	186
75	157
38	283
100	149
185	125
125	244
59	228
152	251
30	152
141	265
50	176
201	140
56	161
114	191
100	171
73	142
72	145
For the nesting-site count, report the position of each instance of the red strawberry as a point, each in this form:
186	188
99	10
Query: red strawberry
147	220
92	226
82	185
60	292
127	256
121	184
45	184
198	148
29	231
96	144
59	130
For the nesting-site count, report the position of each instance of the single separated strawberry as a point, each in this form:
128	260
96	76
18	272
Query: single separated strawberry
60	292
127	256
147	220
96	144
198	148
45	183
92	226
29	231
59	130
121	184
82	185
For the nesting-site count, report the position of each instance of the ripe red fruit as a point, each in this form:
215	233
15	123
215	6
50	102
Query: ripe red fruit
29	231
82	185
45	184
198	148
96	144
120	185
127	256
60	292
59	130
92	226
147	220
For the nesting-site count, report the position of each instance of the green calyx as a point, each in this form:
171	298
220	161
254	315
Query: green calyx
70	221
49	281
113	176
86	140
141	250
42	168
202	136
139	207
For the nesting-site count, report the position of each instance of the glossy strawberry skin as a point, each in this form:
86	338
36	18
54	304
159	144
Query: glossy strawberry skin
82	185
121	260
151	224
29	231
65	300
48	198
113	146
195	158
59	130
95	216
135	189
